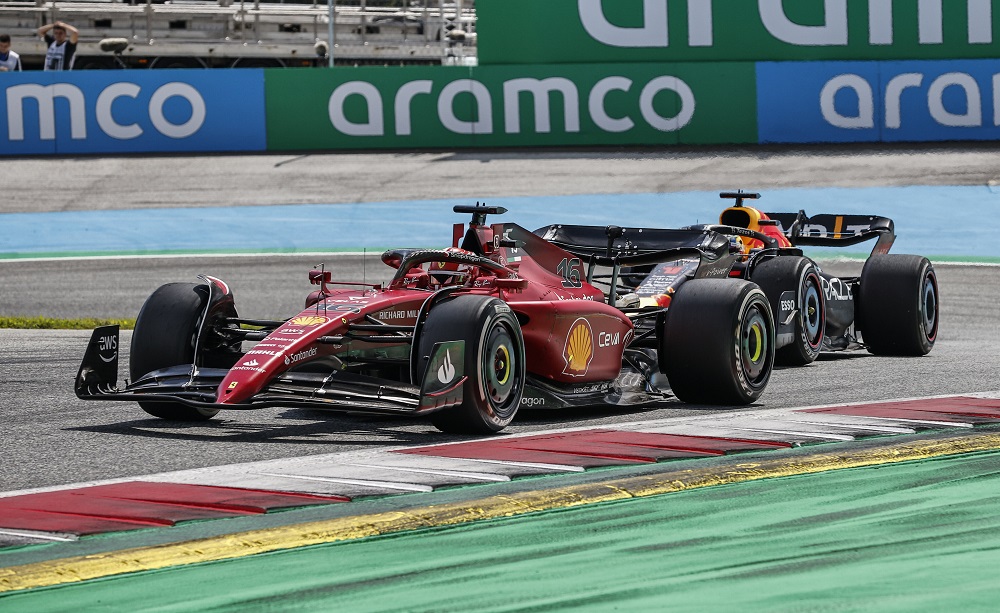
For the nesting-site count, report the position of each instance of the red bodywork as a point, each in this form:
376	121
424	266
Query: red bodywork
571	335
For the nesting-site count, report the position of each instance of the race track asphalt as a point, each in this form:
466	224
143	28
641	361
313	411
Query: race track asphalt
51	438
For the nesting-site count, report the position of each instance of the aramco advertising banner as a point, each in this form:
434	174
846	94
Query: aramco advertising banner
517	106
588	31
809	102
558	105
115	111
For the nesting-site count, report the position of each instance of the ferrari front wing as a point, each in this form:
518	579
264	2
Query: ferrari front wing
197	387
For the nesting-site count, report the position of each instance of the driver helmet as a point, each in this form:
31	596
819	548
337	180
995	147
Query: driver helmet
450	273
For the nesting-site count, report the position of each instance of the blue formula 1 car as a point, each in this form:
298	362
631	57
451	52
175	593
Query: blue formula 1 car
890	309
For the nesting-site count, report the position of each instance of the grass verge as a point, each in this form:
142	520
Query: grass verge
53	323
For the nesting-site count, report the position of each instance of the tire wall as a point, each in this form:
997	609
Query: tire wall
566	73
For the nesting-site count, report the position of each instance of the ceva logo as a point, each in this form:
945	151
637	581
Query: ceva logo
44	96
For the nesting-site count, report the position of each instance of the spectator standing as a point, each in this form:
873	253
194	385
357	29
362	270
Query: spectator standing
61	45
9	60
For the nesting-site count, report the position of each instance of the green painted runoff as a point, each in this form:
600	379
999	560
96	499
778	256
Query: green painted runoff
915	536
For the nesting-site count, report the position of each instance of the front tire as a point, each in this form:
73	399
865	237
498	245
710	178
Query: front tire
898	305
717	342
800	275
164	336
494	362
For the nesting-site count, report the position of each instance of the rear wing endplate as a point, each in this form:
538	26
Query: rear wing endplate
836	230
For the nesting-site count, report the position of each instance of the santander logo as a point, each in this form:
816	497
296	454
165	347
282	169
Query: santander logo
446	372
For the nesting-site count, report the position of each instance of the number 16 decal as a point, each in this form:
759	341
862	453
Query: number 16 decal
568	269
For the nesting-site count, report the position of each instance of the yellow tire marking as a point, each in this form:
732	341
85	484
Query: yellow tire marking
506	361
757	337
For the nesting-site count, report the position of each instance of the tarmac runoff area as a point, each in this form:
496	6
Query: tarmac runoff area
975	429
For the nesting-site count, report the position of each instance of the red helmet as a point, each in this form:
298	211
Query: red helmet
450	273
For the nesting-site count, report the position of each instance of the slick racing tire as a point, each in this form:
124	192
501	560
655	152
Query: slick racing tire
798	274
164	336
717	342
898	305
494	362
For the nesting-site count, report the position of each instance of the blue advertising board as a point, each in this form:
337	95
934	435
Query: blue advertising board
905	101
161	111
118	111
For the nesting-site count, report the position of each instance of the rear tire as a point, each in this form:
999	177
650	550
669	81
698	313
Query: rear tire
717	342
164	336
898	305
798	274
494	362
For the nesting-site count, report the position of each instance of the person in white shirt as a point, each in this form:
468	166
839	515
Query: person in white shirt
61	45
9	60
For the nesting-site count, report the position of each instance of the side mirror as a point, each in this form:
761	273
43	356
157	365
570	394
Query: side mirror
320	277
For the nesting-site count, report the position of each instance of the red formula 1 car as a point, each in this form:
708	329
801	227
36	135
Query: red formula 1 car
465	335
890	309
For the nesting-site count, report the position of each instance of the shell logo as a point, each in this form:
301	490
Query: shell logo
579	349
310	320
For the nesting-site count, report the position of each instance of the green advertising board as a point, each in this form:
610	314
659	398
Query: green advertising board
600	31
510	106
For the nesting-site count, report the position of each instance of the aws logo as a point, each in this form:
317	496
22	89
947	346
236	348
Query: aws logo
579	350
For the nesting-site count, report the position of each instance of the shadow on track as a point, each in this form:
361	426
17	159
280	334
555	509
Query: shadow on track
338	431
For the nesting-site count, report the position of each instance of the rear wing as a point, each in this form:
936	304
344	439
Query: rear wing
836	230
615	247
607	245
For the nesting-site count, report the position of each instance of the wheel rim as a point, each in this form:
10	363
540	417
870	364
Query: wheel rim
754	340
929	307
500	369
812	312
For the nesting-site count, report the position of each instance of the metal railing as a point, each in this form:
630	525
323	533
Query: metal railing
366	31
